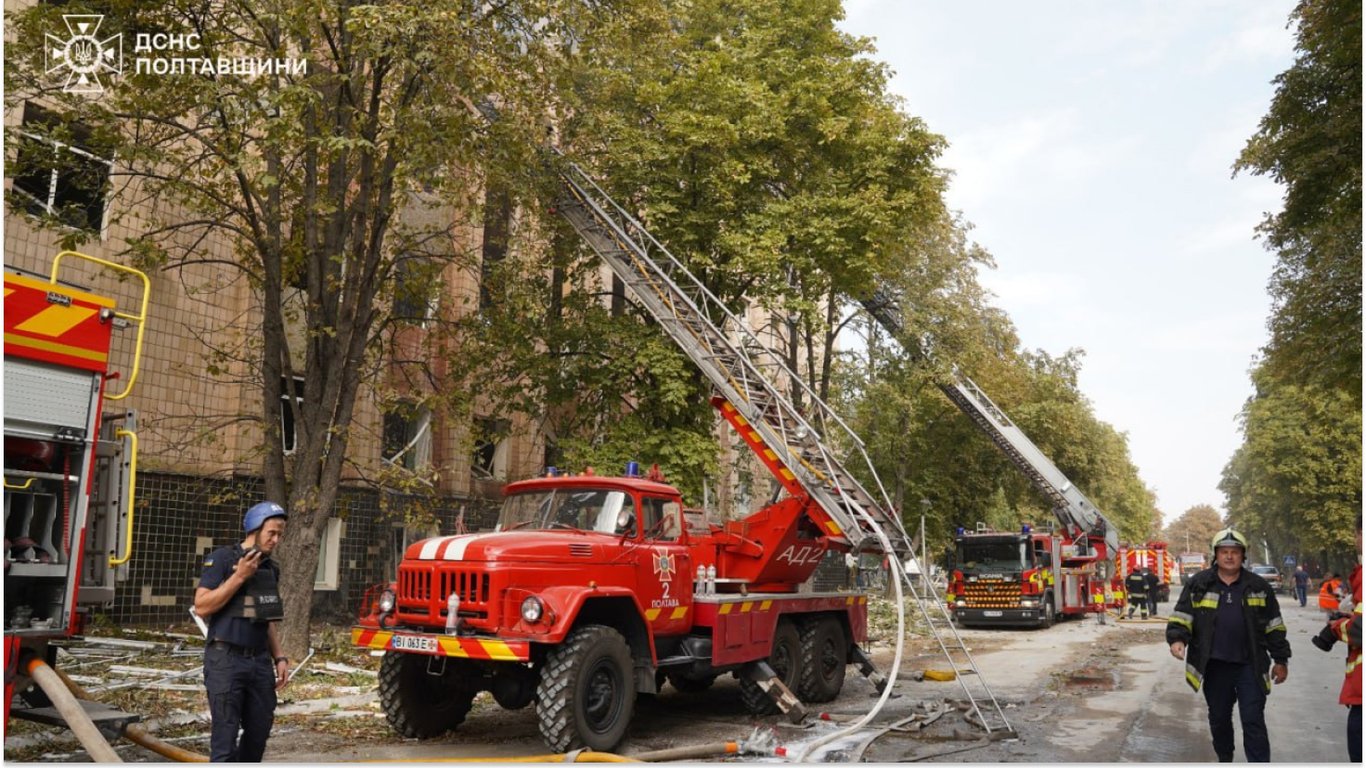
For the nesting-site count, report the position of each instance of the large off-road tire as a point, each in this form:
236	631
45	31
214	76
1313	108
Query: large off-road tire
785	658
824	659
689	684
419	705
587	692
1050	612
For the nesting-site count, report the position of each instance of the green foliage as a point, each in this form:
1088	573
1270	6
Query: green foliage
925	448
1194	529
1296	480
1310	141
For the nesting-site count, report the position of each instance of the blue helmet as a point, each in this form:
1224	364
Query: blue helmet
260	513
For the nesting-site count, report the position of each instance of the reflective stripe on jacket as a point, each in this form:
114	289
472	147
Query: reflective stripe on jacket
1349	631
1192	622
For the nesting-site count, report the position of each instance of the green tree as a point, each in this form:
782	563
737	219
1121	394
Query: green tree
1296	480
759	144
308	176
1310	141
1194	530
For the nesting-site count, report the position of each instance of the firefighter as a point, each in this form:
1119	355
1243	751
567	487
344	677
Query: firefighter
244	663
1227	627
1151	583
1137	587
1347	628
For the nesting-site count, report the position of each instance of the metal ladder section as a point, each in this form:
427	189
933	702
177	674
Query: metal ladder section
744	370
1070	505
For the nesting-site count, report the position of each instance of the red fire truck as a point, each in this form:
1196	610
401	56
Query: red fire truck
1028	577
1152	555
592	589
70	469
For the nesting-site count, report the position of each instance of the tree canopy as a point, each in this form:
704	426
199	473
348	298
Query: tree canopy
1310	141
1194	530
1296	479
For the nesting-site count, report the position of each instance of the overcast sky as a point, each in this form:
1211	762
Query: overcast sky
1091	145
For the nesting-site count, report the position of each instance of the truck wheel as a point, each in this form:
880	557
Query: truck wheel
825	658
1050	613
689	684
786	662
587	691
419	705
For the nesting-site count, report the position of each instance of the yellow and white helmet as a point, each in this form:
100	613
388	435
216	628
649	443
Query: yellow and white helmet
1229	538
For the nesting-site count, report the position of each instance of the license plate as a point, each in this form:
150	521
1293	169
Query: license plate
988	614
413	643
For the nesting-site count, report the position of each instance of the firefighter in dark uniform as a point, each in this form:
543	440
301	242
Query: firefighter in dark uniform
1137	587
1227	626
244	663
1150	579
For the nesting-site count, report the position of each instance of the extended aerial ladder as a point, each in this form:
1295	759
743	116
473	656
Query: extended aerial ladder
1079	517
799	444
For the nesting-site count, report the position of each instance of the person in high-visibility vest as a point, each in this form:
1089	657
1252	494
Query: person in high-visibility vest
1330	593
1347	628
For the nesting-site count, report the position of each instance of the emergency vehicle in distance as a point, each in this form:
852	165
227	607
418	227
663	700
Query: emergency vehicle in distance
1192	563
1028	577
70	470
1152	555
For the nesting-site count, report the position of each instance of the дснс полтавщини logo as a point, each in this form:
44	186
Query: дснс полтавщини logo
83	55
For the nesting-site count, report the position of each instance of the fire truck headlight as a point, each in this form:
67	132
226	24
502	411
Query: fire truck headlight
532	609
387	601
1029	603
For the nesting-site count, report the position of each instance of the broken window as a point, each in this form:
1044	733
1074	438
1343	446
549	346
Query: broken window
407	437
57	171
489	461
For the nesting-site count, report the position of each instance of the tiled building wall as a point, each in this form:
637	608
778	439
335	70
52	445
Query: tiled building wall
183	518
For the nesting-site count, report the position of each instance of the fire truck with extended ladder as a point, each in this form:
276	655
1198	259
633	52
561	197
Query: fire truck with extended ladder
70	471
592	589
1032	576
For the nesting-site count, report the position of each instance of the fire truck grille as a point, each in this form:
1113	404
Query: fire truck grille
423	590
992	594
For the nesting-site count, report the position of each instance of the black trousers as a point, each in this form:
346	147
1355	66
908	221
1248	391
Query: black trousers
1224	685
241	702
1354	732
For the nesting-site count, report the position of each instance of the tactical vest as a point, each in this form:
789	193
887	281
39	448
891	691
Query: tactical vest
259	599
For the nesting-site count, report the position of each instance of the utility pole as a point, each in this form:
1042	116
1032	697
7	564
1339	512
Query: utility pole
924	564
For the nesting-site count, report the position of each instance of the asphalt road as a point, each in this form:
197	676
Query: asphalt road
1077	692
1306	723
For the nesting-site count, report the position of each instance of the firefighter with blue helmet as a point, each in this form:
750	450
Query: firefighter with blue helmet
244	662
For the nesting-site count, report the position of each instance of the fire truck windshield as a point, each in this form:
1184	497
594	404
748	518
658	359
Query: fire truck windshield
581	509
1008	553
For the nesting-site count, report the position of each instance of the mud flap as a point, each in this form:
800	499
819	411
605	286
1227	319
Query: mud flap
762	675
